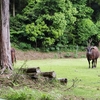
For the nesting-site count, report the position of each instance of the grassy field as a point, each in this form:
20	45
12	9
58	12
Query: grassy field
88	80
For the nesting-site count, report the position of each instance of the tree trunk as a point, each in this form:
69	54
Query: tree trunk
13	8
5	48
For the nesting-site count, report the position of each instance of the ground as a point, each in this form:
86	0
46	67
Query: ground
31	55
17	79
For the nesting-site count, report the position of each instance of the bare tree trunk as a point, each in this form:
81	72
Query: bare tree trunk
5	48
13	8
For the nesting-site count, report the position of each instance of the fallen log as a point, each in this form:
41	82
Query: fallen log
62	80
51	74
31	70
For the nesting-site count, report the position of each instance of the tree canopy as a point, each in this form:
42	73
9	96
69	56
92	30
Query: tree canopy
54	24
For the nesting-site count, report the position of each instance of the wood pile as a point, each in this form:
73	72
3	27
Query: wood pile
35	72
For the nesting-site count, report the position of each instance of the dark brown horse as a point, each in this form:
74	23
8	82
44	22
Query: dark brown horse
13	55
92	54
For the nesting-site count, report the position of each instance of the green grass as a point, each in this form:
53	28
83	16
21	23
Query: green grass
89	79
26	94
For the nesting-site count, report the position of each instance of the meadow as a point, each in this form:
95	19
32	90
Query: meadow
87	83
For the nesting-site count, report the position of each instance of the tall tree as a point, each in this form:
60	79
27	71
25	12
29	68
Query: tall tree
5	48
13	8
16	6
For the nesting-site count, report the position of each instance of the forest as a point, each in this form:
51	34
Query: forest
52	25
49	25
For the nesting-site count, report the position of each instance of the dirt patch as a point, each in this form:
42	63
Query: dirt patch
33	55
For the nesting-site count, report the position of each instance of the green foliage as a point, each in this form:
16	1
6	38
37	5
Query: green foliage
59	24
17	32
47	27
48	41
80	2
86	29
27	94
98	25
22	94
70	13
24	46
46	97
84	11
46	23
